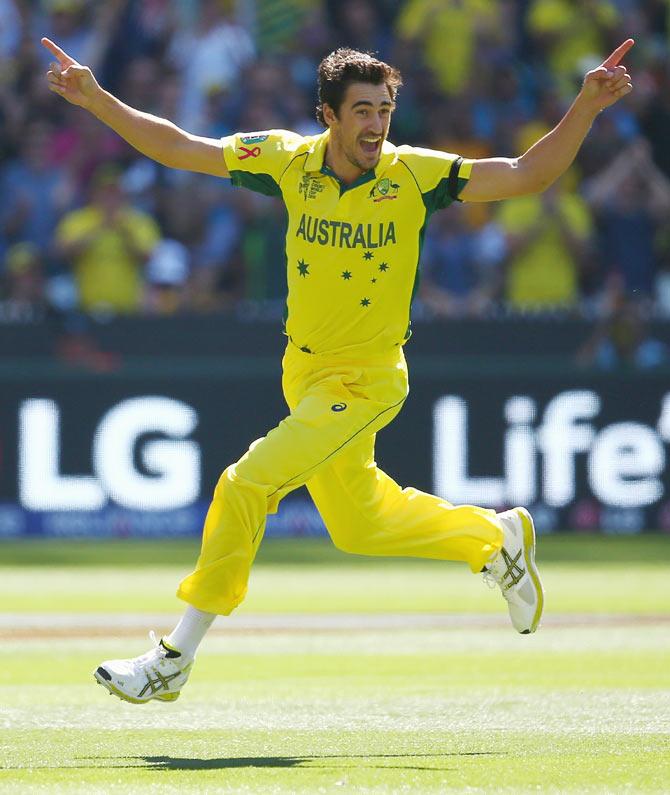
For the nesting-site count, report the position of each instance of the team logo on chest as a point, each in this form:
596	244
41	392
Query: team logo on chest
384	189
310	187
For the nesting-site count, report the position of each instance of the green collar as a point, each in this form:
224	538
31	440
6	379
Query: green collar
367	176
315	161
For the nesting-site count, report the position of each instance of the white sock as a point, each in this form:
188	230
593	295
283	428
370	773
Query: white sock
190	630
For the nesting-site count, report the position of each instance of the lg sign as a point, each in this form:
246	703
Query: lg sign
143	459
624	460
172	464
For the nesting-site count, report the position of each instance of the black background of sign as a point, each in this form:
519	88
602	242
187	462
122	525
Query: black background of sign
235	408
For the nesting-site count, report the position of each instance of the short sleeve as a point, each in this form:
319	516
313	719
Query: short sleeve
577	215
517	215
440	176
144	230
258	160
74	226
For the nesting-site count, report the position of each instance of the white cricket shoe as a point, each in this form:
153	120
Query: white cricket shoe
159	673
513	569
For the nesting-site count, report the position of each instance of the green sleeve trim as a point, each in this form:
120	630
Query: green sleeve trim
260	183
438	198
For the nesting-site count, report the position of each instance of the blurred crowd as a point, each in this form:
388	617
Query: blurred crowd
89	227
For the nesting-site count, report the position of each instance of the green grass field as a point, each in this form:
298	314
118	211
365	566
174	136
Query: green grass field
340	674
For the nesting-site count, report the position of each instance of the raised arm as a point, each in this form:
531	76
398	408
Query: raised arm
157	138
501	178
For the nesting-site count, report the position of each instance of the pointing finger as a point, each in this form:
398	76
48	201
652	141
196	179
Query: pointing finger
618	54
63	58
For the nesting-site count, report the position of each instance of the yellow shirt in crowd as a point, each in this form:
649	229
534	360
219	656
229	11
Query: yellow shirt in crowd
107	273
578	33
447	30
544	273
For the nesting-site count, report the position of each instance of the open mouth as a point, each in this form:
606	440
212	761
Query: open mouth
371	146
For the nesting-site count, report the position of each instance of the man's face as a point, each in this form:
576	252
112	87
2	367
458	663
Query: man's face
108	197
362	125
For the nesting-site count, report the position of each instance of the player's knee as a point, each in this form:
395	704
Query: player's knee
347	543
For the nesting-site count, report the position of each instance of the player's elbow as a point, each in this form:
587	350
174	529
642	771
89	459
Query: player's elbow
519	179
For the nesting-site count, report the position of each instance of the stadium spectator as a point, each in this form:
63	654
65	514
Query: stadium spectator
73	22
459	265
139	84
622	338
360	24
138	30
572	33
548	111
213	52
549	241
107	244
218	271
278	24
447	35
81	145
479	77
631	199
501	104
11	118
22	298
35	191
655	114
167	274
263	226
11	31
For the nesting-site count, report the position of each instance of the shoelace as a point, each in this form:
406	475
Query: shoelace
489	579
513	570
156	653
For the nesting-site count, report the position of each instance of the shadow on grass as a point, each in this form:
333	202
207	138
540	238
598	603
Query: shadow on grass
176	763
190	763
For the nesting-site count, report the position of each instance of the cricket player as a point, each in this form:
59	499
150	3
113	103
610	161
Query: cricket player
357	210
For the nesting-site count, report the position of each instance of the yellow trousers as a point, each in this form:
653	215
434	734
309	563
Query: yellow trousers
327	442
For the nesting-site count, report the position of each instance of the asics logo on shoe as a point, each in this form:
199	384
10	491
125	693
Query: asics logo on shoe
514	572
160	682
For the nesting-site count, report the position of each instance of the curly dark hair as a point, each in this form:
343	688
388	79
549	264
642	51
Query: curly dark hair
345	66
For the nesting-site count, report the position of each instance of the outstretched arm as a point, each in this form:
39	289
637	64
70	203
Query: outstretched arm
157	138
501	178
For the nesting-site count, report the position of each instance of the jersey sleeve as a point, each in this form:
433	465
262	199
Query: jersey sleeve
258	160
440	176
74	226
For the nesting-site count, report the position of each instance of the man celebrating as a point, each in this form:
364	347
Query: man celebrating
358	207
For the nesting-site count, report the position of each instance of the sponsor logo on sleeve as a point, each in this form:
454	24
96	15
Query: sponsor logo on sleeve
254	138
251	148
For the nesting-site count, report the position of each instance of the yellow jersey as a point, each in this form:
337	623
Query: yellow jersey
544	274
352	250
109	277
